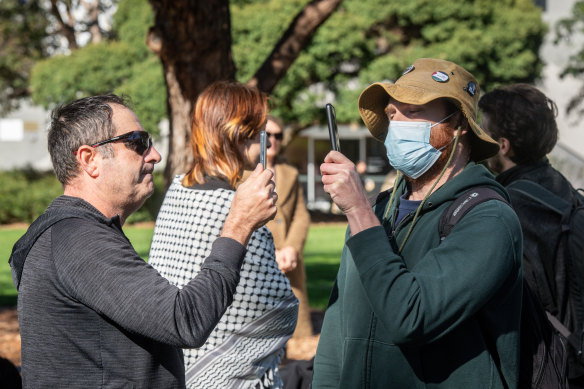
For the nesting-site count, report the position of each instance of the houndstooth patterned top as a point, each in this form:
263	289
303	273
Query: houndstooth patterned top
244	350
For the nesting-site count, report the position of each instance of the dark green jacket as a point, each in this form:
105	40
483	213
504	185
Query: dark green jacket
443	315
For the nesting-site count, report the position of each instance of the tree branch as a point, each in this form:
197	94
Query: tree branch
296	37
66	29
92	10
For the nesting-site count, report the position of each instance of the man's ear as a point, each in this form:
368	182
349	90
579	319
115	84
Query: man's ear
88	159
505	148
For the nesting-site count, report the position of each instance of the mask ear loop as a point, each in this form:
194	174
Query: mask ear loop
399	174
430	191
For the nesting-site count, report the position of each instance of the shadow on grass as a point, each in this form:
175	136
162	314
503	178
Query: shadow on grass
8	301
319	282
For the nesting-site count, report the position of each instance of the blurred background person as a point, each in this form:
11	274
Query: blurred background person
290	226
245	348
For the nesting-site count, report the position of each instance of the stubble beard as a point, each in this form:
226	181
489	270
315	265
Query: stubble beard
495	164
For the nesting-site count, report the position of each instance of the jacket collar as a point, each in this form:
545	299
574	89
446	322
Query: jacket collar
518	171
63	207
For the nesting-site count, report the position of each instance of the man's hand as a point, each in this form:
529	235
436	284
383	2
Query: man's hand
287	259
342	182
253	206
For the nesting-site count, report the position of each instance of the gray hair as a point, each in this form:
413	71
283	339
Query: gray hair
82	122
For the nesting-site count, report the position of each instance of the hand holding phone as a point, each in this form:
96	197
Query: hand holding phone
332	126
263	147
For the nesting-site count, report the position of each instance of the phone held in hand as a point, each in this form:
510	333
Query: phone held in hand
263	147
332	127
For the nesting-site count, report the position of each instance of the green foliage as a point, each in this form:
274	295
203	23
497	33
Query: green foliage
91	70
26	194
123	65
566	29
23	41
364	42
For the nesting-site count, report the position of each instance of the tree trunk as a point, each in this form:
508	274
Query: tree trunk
193	40
67	25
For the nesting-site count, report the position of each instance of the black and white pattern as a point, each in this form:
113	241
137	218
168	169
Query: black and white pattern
244	350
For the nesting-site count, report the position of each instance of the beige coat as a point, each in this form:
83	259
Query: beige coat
290	226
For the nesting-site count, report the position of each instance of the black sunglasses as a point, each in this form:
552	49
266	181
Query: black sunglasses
138	141
278	136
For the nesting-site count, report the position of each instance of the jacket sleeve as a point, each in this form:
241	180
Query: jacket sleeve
298	228
449	284
327	363
99	268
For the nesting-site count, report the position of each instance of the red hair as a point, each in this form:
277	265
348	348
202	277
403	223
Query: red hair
226	114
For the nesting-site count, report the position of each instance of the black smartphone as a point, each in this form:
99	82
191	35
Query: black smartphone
332	126
263	147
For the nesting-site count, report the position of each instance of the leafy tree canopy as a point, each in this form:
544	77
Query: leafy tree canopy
374	40
122	64
362	42
22	42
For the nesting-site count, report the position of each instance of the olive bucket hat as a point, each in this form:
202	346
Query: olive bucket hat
426	80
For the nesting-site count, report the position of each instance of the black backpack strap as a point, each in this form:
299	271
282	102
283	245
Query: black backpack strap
543	196
571	337
374	200
380	202
564	209
462	205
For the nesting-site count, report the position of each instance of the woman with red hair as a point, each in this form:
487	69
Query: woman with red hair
244	350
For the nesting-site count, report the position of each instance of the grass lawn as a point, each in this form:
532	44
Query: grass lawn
321	255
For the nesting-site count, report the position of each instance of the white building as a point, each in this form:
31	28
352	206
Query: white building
568	155
23	139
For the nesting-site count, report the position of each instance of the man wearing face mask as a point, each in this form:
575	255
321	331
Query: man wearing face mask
407	309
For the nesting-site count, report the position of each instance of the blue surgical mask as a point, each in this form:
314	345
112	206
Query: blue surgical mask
409	149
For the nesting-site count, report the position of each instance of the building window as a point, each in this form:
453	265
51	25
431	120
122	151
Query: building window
11	130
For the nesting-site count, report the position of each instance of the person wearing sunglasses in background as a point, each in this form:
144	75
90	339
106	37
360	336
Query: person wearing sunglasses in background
290	226
92	313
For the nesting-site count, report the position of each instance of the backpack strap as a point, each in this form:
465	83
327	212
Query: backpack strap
571	337
374	200
462	205
543	196
380	202
564	209
471	198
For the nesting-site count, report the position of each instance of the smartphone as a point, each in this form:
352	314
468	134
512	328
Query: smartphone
263	147
332	126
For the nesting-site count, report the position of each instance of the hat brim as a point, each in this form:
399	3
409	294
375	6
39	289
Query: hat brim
375	98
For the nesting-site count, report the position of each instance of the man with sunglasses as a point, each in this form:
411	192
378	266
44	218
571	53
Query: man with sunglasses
92	313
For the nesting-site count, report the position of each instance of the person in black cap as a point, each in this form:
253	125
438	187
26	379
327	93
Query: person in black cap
409	310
